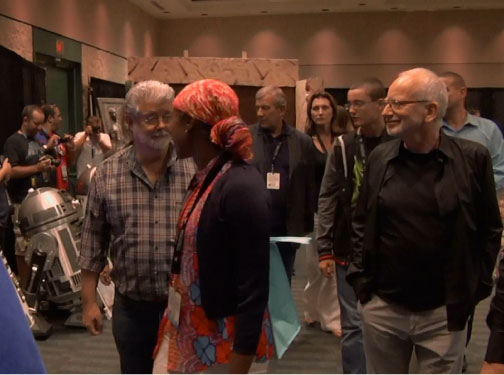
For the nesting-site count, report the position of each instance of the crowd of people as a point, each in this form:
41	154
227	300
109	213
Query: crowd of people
399	192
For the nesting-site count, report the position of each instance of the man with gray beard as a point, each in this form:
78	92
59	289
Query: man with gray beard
133	205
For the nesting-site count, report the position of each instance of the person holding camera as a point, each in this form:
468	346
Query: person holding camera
29	164
91	145
58	148
30	169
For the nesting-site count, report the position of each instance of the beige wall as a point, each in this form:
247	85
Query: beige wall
113	25
342	48
103	65
17	37
110	30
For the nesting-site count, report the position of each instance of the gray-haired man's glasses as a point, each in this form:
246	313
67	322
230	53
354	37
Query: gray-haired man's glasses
397	105
152	118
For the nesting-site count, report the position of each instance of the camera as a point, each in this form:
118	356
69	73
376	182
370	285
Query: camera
55	162
49	154
95	129
63	140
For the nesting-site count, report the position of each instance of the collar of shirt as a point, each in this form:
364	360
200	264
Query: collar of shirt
42	133
443	148
136	167
470	120
287	130
24	135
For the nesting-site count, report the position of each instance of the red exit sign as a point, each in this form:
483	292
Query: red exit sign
60	46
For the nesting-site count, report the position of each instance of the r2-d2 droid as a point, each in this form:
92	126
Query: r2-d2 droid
51	222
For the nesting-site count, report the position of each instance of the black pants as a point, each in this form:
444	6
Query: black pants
8	243
135	327
288	253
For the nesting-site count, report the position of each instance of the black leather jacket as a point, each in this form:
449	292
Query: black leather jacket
495	321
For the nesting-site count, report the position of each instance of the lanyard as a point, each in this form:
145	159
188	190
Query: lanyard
189	208
275	155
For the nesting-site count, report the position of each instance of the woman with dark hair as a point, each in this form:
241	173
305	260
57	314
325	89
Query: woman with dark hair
323	121
216	313
324	124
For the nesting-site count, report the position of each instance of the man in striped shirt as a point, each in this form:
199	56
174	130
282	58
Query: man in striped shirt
133	205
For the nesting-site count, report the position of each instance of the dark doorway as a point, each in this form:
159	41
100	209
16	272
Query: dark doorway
63	89
104	89
489	102
23	83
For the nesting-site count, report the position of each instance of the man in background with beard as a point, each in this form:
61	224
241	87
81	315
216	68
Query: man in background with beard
133	204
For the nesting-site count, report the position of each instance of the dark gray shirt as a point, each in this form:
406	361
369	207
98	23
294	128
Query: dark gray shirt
411	253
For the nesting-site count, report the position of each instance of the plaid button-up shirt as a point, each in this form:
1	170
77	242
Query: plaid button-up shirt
137	221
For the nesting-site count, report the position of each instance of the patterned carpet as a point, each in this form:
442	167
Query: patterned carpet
73	350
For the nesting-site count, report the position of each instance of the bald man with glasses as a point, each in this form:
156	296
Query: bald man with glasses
426	234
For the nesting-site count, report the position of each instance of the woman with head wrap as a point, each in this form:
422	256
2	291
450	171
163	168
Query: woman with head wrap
217	312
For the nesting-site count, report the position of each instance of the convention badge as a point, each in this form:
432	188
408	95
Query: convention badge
273	181
174	305
64	172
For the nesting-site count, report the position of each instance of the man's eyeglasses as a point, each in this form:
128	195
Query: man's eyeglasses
152	119
396	105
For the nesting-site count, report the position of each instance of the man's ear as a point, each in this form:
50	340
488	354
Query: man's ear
463	91
189	123
432	111
128	121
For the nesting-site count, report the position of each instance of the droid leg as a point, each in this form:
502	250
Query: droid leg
41	328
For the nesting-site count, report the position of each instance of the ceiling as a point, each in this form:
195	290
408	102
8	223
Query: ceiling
166	9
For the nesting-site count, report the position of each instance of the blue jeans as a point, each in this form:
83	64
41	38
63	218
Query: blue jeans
135	327
352	348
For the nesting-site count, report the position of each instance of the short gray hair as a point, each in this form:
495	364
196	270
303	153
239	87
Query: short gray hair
147	91
428	87
279	98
